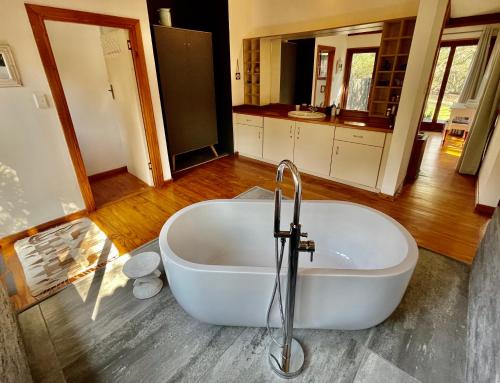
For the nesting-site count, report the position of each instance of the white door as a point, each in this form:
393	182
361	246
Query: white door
278	139
249	140
313	147
356	163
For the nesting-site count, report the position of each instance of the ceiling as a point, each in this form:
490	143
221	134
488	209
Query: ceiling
462	8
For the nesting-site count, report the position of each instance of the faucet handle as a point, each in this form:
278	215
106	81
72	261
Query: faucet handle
304	235
308	246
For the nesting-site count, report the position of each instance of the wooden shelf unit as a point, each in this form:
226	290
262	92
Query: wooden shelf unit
391	64
251	64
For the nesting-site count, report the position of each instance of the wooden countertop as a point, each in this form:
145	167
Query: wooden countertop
281	111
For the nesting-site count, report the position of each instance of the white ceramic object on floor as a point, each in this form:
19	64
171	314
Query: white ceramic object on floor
141	264
147	287
143	267
219	260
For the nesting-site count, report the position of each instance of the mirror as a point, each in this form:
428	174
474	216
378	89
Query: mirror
333	68
8	71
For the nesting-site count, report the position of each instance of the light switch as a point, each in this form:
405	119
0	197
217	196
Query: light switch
41	101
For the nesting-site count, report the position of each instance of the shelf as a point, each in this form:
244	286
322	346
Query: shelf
391	64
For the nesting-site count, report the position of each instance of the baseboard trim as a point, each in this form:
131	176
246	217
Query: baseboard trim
107	173
43	226
484	210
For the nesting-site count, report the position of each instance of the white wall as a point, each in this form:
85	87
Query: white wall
38	179
424	45
80	62
121	74
239	26
292	16
340	44
488	180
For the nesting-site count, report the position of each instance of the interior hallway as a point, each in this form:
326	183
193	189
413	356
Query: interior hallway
437	209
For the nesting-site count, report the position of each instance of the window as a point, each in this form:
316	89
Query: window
360	67
450	73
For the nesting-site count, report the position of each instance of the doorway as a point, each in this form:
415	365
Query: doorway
96	70
323	75
450	73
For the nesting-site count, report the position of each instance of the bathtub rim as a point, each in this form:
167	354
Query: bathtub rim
407	264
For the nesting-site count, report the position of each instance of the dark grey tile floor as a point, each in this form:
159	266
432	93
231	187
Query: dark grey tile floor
95	331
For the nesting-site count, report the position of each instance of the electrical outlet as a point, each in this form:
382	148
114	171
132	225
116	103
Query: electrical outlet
238	76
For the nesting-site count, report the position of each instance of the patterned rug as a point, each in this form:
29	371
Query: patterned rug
57	257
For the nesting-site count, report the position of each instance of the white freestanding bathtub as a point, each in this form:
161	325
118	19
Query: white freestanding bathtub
220	263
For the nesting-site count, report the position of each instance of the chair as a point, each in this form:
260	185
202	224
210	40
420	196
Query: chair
461	118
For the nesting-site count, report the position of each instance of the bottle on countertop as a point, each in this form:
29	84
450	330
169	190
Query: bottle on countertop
330	110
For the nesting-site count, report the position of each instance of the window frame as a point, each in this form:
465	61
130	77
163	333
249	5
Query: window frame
434	124
347	75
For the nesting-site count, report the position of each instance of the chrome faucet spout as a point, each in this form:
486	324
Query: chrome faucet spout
297	185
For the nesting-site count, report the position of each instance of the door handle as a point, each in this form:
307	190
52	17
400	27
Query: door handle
357	136
337	150
112	91
259	134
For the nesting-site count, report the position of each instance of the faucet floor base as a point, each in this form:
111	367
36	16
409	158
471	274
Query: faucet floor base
296	360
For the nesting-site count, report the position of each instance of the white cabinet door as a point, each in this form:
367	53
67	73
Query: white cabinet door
249	140
356	163
278	139
313	147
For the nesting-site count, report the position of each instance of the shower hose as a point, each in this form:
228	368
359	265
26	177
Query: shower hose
277	288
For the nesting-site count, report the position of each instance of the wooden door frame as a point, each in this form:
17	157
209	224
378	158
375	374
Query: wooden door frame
329	71
434	124
37	15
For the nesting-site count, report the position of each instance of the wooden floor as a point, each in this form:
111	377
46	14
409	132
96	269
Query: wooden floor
438	208
116	187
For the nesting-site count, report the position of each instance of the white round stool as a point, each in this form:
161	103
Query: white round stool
143	267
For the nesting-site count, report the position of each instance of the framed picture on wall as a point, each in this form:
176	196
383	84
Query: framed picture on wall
9	75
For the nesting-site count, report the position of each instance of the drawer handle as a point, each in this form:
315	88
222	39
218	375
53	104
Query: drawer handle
357	136
248	120
337	150
259	134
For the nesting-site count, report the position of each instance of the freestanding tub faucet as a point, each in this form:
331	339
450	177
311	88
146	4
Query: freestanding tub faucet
287	358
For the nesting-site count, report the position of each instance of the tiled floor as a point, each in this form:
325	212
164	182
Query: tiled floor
96	331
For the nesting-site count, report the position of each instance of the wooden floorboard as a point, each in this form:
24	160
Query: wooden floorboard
437	208
115	186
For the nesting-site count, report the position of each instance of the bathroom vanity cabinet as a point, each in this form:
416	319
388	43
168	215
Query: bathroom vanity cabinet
356	157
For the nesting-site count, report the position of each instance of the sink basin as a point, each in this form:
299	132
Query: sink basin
306	114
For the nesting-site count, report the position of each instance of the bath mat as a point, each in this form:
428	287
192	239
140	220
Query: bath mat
59	256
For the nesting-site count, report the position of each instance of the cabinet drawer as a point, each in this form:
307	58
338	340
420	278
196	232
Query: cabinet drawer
359	136
248	119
